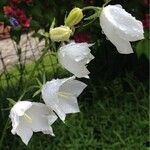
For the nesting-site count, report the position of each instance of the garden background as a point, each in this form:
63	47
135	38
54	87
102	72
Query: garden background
114	107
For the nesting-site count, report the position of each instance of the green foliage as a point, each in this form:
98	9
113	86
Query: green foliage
111	118
143	47
2	18
16	34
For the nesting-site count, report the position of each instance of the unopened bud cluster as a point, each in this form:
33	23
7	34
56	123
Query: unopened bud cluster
63	33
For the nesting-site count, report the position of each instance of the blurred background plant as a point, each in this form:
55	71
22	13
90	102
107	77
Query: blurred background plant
117	96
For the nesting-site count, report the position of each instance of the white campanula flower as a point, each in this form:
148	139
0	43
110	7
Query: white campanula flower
120	27
61	95
74	57
28	117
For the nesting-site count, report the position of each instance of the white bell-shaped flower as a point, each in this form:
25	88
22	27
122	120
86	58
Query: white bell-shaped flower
74	57
120	27
28	117
61	95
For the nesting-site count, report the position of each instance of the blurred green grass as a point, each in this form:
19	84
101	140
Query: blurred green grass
47	64
111	117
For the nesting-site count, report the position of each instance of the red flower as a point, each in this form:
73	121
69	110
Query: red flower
82	37
19	15
24	21
8	10
19	12
22	18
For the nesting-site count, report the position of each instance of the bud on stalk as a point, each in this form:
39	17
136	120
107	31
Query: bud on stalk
61	33
74	17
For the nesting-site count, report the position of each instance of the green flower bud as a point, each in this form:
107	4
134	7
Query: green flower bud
61	33
74	17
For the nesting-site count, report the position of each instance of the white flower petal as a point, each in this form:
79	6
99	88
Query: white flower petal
126	25
120	27
74	67
74	87
25	133
15	122
123	46
20	107
18	110
69	105
65	100
52	118
40	115
49	91
27	117
50	96
74	57
59	112
117	5
50	131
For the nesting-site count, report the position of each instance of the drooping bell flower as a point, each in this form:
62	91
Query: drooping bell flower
60	95
120	27
74	57
28	117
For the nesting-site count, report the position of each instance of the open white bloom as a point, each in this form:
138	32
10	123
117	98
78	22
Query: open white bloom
74	57
61	95
120	27
28	117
